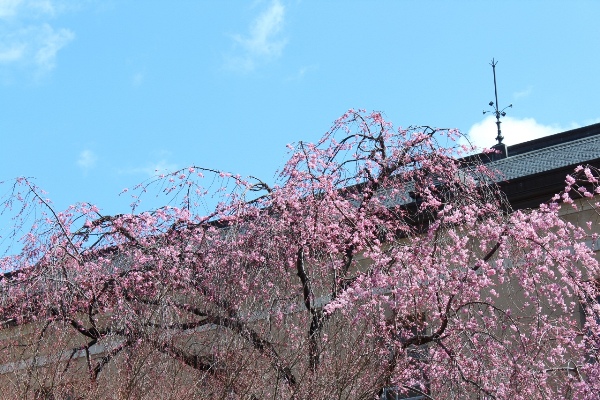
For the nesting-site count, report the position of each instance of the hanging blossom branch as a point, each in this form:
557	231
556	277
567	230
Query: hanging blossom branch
378	259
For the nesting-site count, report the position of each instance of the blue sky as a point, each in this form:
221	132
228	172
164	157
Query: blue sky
97	95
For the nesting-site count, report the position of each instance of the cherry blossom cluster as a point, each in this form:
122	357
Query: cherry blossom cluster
377	261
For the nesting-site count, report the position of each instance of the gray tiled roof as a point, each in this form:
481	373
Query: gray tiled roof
575	152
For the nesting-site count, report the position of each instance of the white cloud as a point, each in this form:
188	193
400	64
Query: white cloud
152	169
591	121
31	9
49	43
43	6
523	93
11	54
27	39
160	167
137	79
301	73
87	159
483	133
36	45
8	8
262	39
263	43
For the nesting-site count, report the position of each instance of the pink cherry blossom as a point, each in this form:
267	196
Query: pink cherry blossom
377	260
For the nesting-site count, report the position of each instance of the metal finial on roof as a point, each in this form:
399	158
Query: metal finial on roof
499	113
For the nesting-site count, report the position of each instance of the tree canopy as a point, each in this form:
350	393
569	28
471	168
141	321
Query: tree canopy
379	259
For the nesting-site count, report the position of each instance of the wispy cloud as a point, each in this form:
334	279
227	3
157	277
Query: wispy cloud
137	79
46	7
263	41
50	42
523	93
515	130
11	54
27	39
151	169
86	160
12	10
591	121
8	8
301	73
